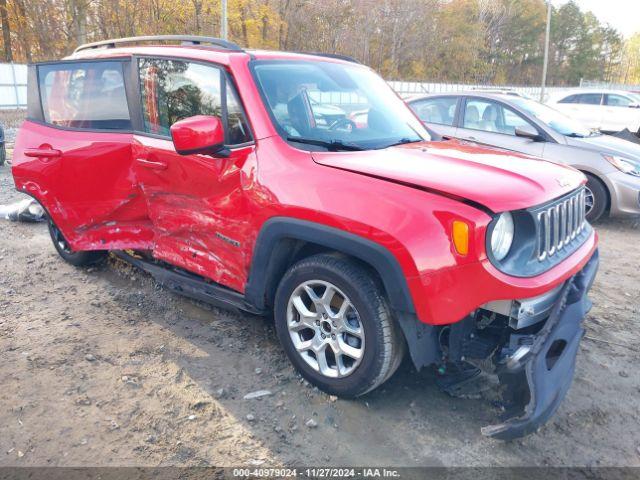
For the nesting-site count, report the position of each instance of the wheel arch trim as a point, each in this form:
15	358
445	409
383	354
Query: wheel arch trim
271	253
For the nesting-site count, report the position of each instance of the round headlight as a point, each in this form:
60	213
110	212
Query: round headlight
502	236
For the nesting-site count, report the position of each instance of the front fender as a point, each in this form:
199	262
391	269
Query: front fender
271	247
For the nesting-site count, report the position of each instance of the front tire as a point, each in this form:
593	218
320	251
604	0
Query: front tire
63	248
335	326
596	198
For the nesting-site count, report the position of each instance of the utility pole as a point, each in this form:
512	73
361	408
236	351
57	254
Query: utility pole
223	21
546	51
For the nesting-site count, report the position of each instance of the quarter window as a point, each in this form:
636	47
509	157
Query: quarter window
174	89
87	95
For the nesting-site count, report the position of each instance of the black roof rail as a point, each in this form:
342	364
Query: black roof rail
333	55
185	39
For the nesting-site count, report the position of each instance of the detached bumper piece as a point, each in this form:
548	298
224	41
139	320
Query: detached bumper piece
538	373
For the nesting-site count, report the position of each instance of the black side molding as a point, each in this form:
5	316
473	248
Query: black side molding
191	285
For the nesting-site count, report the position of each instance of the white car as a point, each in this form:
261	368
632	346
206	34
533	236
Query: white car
604	110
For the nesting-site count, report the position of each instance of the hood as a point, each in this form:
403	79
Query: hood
497	179
608	144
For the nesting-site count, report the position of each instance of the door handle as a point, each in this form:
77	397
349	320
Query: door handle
42	152
471	137
143	162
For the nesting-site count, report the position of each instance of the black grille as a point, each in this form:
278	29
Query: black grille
559	224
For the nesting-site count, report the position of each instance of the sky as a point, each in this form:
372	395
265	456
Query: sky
623	15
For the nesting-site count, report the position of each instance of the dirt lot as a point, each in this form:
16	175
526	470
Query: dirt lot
100	366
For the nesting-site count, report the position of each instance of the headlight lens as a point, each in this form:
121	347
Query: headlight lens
502	236
624	164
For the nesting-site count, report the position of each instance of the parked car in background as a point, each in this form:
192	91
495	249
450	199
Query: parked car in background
505	91
603	110
612	165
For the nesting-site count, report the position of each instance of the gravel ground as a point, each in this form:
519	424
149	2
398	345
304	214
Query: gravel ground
10	121
102	367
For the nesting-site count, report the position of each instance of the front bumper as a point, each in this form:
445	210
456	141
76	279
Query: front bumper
537	381
625	193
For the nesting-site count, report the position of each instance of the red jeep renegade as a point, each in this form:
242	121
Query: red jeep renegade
300	184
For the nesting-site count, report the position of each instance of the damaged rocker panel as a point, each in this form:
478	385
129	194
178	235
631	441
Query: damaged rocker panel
191	285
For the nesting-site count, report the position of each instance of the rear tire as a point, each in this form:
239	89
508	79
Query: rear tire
597	192
78	259
335	325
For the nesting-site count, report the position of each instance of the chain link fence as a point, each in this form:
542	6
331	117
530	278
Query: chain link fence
609	86
409	89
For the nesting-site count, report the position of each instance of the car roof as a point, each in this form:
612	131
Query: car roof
576	91
202	53
468	93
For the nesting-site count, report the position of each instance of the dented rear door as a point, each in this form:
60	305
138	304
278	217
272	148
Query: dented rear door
74	154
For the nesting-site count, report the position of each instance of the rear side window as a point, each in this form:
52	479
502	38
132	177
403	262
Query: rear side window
590	98
172	90
87	95
570	99
439	110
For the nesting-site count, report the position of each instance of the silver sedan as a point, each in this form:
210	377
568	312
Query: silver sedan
612	165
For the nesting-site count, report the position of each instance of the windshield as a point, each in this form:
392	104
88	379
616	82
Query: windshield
552	118
333	106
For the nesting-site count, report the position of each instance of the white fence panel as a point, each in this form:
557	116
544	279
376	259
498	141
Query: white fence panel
13	85
408	89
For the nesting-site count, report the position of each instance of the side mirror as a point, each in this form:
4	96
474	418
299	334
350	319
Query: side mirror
200	134
634	105
527	131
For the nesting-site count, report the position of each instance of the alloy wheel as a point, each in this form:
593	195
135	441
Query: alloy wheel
59	239
325	328
589	200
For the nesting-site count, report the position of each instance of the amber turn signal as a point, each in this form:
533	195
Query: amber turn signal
460	235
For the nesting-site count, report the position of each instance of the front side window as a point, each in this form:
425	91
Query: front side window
87	95
490	116
440	110
328	105
172	90
617	100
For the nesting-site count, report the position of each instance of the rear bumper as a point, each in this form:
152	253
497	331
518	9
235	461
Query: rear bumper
538	381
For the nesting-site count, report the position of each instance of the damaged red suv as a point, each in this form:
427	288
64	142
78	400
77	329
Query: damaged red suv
301	185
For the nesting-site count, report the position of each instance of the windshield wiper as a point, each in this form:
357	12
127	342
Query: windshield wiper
402	141
333	145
